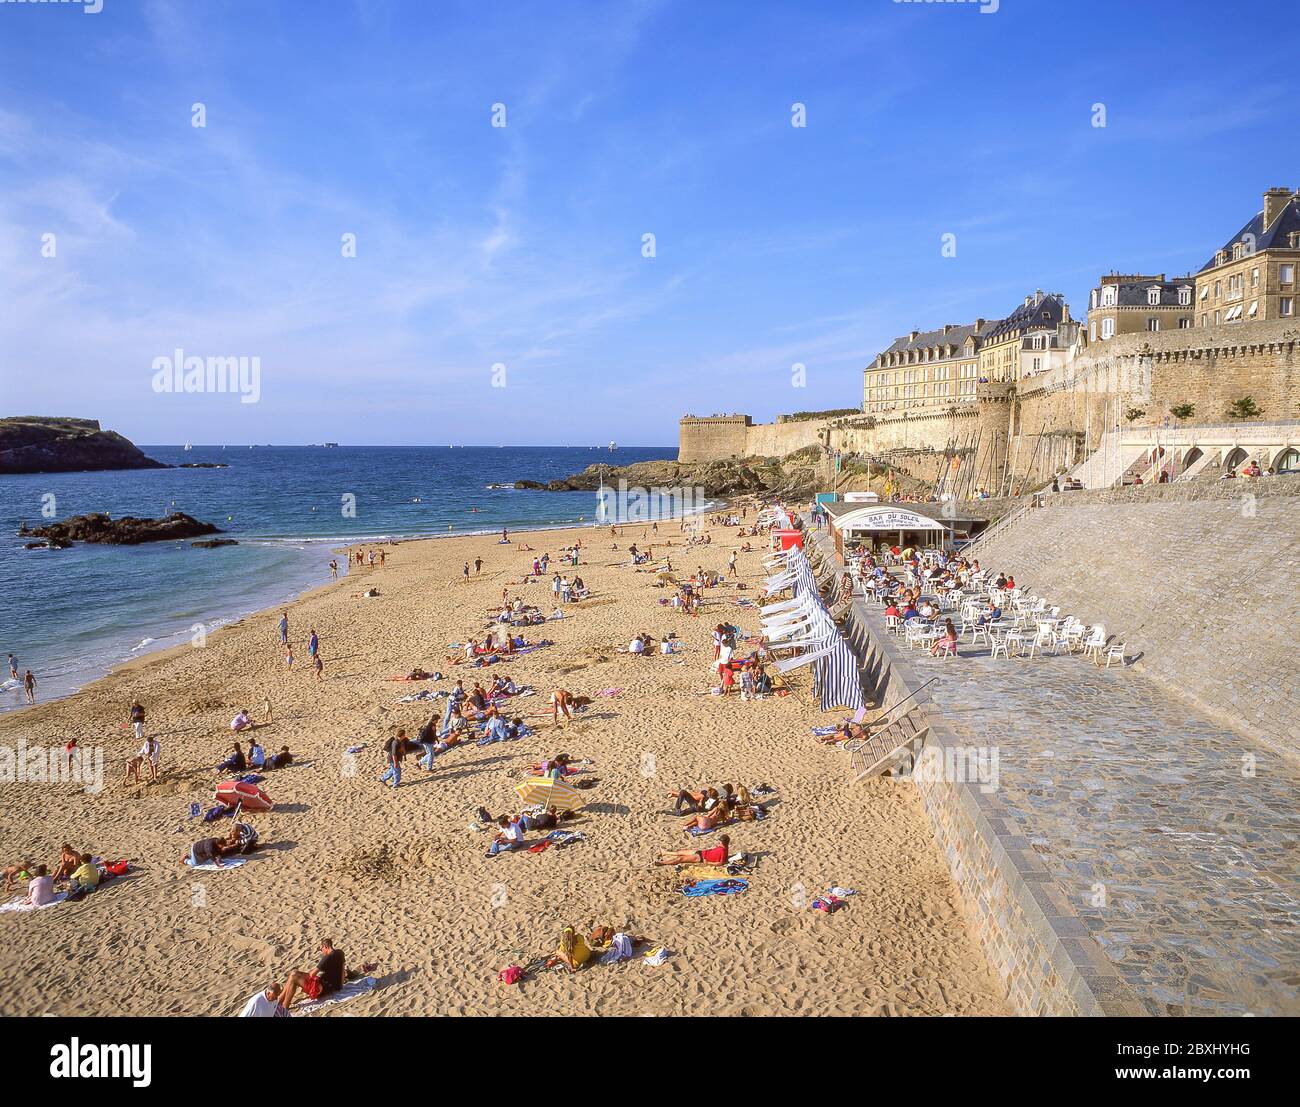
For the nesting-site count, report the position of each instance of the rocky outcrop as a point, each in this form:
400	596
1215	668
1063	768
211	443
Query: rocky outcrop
213	543
793	476
126	531
40	444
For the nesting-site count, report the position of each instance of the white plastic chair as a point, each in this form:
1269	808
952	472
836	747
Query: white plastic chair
1115	652
1095	643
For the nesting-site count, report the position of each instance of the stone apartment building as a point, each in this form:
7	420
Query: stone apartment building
1001	353
926	368
1253	276
1130	303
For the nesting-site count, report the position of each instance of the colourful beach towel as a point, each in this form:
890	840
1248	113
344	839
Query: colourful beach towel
697	888
350	990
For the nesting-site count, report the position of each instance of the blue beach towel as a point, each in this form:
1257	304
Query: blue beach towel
698	888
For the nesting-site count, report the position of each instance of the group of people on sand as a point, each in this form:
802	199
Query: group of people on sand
242	839
255	759
78	872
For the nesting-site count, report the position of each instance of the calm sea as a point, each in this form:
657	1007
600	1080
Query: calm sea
69	615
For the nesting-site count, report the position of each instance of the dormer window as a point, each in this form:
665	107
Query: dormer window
1237	250
1108	296
1184	296
1220	257
1153	296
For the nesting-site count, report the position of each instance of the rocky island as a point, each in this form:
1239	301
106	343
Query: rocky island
46	444
126	531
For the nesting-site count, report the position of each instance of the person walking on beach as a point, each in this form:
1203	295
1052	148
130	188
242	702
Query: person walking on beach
29	686
478	565
266	709
466	571
284	628
137	720
313	644
334	569
731	566
151	754
13	667
394	751
288	657
316	664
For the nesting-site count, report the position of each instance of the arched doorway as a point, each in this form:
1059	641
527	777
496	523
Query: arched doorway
1236	457
1287	459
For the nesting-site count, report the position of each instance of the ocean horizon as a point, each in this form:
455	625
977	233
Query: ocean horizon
75	614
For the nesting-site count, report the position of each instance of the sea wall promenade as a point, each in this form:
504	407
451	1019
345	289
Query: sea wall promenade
1135	855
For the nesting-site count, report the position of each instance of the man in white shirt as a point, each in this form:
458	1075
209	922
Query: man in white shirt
265	1005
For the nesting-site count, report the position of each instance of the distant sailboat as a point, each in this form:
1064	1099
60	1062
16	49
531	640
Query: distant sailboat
613	446
188	447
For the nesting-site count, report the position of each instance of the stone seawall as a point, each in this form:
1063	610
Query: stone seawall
1196	578
1036	944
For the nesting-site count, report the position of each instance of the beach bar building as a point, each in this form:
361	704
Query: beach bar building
878	524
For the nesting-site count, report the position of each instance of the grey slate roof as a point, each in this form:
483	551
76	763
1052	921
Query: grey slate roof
1134	293
955	337
1274	237
1049	311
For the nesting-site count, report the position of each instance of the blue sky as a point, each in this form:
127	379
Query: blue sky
522	245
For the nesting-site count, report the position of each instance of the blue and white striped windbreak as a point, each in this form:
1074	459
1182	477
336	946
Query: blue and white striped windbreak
835	667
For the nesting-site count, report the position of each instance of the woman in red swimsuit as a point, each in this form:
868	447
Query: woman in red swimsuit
715	855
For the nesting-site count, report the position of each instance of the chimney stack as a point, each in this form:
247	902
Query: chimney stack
1275	199
979	323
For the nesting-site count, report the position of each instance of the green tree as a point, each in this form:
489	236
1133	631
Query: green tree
1182	411
1244	408
1133	414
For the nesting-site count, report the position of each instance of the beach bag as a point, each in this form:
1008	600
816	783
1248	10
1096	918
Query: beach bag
512	974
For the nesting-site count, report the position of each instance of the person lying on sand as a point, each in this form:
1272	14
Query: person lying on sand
543	820
20	871
715	855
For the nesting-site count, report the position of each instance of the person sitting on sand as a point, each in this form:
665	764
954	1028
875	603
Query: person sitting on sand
715	855
256	755
325	979
22	871
554	767
86	876
280	760
241	721
718	815
510	838
574	951
40	889
69	859
235	763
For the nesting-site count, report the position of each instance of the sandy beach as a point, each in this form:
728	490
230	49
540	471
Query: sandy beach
398	877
